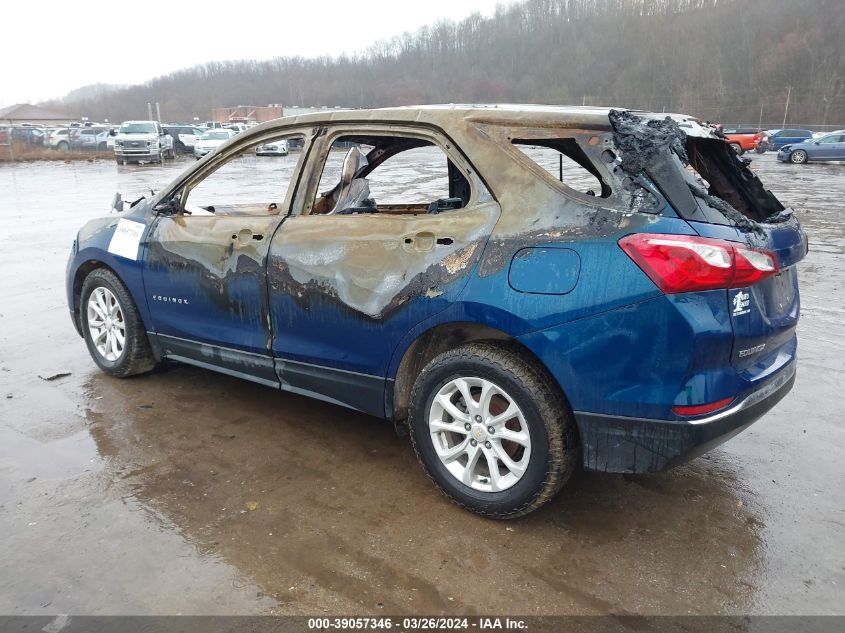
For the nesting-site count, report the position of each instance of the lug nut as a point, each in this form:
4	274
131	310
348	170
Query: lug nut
467	426
473	442
478	418
491	430
488	445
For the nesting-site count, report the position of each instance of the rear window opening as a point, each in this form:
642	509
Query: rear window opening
700	176
727	178
566	162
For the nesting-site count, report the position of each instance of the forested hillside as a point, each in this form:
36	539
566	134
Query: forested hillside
723	60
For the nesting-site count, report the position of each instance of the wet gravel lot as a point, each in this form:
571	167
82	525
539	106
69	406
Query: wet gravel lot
185	491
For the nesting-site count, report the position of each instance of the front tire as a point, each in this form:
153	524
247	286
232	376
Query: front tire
799	157
492	430
738	149
112	327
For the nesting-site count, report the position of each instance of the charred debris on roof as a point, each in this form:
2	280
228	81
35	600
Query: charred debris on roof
712	172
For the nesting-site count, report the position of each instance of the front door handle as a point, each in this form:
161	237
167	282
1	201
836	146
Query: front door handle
425	241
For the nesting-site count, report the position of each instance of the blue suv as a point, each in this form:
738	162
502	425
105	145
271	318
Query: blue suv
523	289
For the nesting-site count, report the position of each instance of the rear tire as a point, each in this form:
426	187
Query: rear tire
498	467
738	149
112	311
799	157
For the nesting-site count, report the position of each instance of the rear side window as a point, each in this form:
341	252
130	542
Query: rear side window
396	175
565	161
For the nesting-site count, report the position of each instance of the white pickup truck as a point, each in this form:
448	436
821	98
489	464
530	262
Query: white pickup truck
142	141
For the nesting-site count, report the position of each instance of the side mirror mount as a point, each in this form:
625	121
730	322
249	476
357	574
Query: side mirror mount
112	133
117	203
168	206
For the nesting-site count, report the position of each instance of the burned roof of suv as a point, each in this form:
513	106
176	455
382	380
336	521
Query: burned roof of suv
448	115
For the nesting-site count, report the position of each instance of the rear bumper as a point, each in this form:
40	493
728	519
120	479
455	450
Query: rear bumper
638	445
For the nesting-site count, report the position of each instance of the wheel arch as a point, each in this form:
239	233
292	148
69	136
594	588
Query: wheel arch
79	277
439	339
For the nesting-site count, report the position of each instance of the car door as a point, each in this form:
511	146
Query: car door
205	266
826	148
350	277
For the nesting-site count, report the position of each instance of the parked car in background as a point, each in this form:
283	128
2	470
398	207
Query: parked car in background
185	137
28	134
237	128
211	140
58	138
276	148
142	141
111	136
828	147
89	138
779	138
764	142
742	139
519	322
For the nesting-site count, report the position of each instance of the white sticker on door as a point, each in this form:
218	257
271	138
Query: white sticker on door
127	236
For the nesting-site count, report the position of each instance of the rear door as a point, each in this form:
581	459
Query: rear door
386	239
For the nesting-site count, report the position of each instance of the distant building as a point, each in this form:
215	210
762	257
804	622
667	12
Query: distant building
246	114
27	113
259	114
297	110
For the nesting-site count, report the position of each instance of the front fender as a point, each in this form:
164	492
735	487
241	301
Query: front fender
92	251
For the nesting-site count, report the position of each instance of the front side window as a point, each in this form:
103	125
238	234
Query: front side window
244	184
389	175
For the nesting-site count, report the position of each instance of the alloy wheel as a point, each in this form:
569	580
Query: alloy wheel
479	434
106	324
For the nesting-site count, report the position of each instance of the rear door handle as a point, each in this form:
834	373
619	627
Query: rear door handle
246	235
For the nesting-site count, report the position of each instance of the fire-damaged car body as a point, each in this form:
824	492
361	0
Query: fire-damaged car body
519	324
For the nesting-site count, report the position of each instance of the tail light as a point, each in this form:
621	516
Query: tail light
682	263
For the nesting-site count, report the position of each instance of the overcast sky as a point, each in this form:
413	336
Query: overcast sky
55	47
